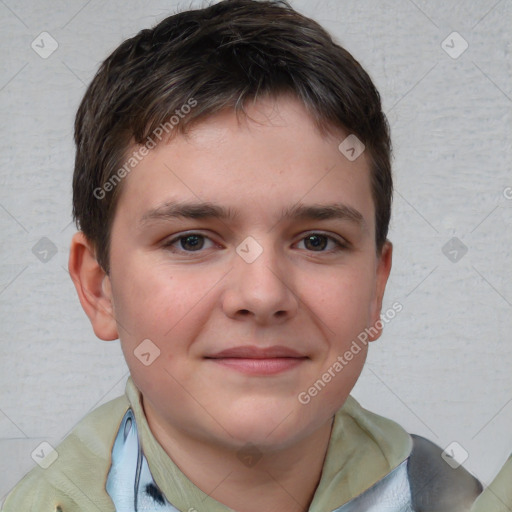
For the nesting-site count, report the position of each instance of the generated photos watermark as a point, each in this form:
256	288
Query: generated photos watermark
158	134
343	360
351	147
146	352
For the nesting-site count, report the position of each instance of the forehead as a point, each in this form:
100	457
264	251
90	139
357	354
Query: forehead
271	158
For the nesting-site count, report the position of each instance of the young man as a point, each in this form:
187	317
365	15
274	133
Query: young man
232	189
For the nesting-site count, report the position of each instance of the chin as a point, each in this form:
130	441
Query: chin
269	431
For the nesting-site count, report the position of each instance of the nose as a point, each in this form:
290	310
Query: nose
261	289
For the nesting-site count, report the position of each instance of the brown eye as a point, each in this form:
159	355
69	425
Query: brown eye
322	243
316	242
188	243
192	242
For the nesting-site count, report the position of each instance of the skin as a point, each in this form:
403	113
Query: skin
304	293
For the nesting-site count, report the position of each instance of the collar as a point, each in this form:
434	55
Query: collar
362	450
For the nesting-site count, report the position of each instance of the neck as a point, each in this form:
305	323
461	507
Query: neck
249	479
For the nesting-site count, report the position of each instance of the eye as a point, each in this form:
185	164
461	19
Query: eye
319	242
191	242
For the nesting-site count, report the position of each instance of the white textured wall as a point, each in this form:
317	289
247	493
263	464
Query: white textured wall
443	366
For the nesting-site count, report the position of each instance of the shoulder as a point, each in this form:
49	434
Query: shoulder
497	497
389	439
435	484
75	480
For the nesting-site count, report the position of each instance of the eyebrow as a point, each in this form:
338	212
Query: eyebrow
206	210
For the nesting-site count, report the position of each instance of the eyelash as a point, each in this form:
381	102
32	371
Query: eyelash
340	245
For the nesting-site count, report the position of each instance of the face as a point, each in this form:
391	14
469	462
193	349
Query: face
245	252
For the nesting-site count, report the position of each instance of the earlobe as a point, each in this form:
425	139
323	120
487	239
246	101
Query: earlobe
382	273
93	287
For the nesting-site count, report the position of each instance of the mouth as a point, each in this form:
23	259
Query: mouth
259	361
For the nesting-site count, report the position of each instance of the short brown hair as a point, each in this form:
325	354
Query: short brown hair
221	56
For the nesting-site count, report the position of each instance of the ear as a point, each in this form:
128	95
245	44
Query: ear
382	273
93	287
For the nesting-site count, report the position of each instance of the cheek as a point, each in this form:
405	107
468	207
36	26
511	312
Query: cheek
343	301
155	297
161	312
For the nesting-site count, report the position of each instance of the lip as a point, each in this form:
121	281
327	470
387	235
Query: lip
258	361
253	352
